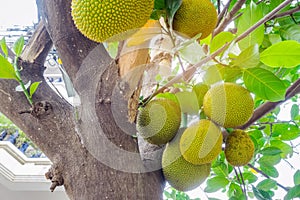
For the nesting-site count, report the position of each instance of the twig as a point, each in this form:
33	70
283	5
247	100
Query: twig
268	177
228	18
244	185
287	13
223	12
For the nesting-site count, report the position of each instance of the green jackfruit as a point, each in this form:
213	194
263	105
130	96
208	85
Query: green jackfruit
201	142
179	173
194	17
159	121
228	104
239	148
110	20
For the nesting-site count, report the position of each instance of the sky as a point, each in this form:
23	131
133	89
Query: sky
18	12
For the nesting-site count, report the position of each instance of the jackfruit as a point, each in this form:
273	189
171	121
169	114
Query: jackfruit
179	173
194	17
159	121
228	104
200	89
239	148
110	20
201	142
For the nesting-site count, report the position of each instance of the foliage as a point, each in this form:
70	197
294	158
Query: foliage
266	61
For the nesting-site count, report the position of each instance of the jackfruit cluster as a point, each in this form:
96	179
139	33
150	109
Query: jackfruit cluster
110	20
194	17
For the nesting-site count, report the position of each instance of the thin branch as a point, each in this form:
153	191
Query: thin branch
267	107
228	18
243	182
287	13
223	12
268	177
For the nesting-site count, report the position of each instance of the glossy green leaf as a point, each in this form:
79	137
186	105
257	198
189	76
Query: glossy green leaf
270	159
188	102
212	75
269	170
234	190
159	4
18	46
264	84
219	40
216	183
6	69
297	177
286	132
274	38
271	151
290	32
294	192
221	169
266	184
229	73
294	111
168	95
248	58
249	177
285	148
259	194
253	13
33	88
282	54
4	47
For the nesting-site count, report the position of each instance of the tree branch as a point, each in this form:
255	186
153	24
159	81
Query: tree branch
287	13
268	177
269	106
228	18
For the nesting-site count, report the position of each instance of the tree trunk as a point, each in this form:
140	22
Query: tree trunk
91	146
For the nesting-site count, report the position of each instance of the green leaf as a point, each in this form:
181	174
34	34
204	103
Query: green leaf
294	111
264	84
274	38
212	75
297	177
253	13
266	185
159	4
294	192
270	159
285	148
168	95
33	88
286	132
221	169
271	151
290	32
282	54
250	177
172	7
4	47
6	69
234	190
216	183
269	170
18	46
219	40
259	194
192	53
248	58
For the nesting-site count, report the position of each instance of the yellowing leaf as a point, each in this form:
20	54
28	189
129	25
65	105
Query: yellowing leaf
147	32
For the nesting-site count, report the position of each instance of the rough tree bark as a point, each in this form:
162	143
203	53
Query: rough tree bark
93	157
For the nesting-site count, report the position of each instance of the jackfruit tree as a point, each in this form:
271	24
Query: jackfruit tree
166	96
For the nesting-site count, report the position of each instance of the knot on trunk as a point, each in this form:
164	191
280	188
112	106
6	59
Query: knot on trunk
41	109
54	174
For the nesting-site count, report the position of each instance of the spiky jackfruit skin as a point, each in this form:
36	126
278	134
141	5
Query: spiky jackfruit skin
194	17
201	142
110	20
159	121
239	148
228	104
181	174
